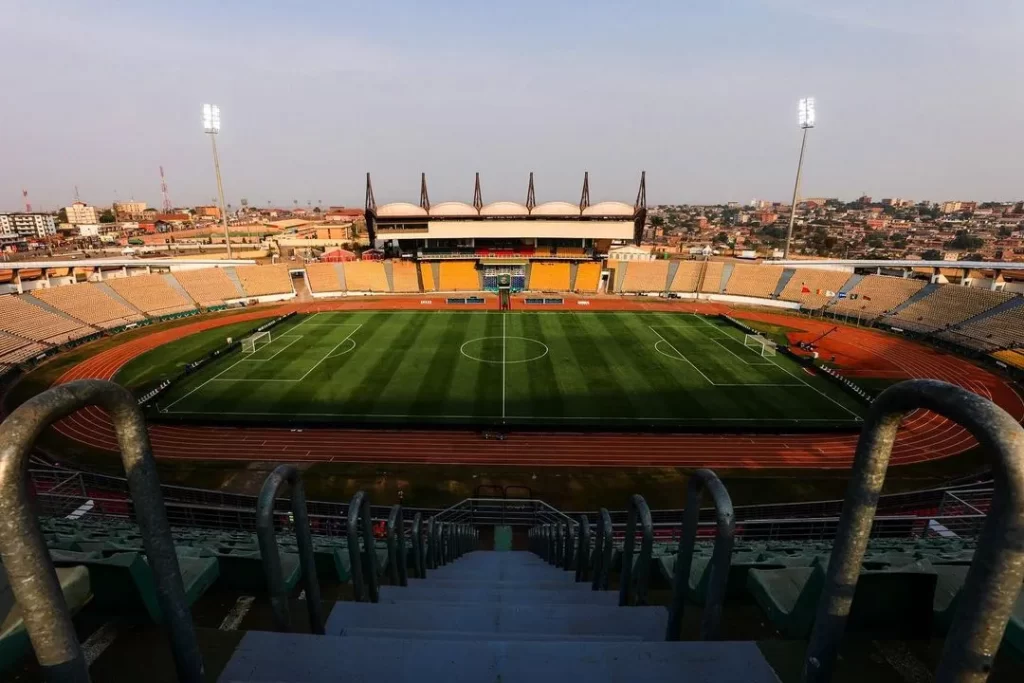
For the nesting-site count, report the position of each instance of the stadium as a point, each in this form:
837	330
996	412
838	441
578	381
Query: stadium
506	377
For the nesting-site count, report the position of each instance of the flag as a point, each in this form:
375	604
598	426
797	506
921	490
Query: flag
842	295
867	298
829	292
804	289
818	292
853	296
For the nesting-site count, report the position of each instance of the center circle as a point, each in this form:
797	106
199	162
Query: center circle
507	350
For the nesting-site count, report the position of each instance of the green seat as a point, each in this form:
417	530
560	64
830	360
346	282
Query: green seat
123	583
243	570
14	641
894	602
947	598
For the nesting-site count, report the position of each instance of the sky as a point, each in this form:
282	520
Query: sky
917	99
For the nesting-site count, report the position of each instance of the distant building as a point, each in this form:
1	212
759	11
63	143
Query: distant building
27	225
132	209
89	230
81	213
207	211
951	207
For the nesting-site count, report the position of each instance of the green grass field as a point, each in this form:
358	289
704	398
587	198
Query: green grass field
622	370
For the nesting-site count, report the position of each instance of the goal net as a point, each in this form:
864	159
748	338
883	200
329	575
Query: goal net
250	344
759	345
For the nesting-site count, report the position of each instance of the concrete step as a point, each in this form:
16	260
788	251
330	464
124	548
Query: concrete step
463	636
398	594
646	622
470	584
265	657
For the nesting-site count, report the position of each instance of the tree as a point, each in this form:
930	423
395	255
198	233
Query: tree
932	255
657	221
722	237
1005	231
62	216
972	257
966	241
107	217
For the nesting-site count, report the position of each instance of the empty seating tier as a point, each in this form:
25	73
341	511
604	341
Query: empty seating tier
687	276
323	277
403	277
459	276
427	273
264	280
876	294
32	322
14	350
549	277
151	294
814	287
88	303
646	276
999	330
588	277
711	280
753	280
947	306
366	276
208	286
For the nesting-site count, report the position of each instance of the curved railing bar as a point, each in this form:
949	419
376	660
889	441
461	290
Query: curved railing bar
23	550
994	579
602	551
359	521
398	570
271	558
583	549
567	546
431	558
417	546
559	544
721	556
637	508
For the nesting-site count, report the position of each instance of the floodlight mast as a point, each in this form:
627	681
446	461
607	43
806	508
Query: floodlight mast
806	117
211	126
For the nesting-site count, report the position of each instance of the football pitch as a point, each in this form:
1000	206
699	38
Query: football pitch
620	370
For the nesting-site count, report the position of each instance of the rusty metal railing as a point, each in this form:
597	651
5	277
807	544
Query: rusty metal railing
32	577
721	556
602	551
583	550
431	559
638	511
567	546
271	558
398	569
360	524
994	579
417	546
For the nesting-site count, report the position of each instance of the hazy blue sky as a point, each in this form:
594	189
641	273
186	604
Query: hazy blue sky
916	98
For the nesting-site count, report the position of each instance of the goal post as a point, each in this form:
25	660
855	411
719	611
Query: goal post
759	345
251	343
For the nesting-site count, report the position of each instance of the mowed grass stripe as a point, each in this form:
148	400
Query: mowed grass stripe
383	355
602	370
533	388
475	388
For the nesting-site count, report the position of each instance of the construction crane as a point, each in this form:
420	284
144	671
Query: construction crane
28	204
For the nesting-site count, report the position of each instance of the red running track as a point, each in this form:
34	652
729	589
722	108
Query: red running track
923	435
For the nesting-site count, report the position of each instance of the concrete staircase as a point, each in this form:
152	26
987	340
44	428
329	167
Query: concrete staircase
233	276
920	294
787	275
493	616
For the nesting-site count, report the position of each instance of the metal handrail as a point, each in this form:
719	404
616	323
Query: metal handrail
994	579
359	521
637	508
567	546
431	558
583	549
271	558
602	551
417	546
721	556
23	550
398	570
556	529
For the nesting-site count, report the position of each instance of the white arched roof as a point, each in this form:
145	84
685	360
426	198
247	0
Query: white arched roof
400	209
453	209
504	209
609	209
556	209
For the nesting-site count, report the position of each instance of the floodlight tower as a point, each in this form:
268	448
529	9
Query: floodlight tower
211	125
806	118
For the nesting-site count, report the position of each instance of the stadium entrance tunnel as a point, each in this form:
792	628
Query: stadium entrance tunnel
507	350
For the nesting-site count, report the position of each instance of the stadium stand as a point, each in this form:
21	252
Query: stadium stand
817	282
646	276
999	330
1011	357
945	307
403	277
687	277
32	322
88	303
14	350
151	294
323	277
549	277
753	280
877	294
264	280
208	286
366	276
458	276
427	273
711	280
588	277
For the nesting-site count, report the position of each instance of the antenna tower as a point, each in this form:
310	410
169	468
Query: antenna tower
28	204
165	205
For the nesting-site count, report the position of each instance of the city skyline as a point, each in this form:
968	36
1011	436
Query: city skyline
914	101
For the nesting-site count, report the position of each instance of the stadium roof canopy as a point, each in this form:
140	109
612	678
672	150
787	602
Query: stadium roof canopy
905	263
